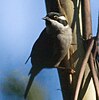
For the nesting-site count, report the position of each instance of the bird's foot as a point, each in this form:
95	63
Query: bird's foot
71	71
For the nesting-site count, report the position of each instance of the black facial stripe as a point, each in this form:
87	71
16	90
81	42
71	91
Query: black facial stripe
52	14
64	22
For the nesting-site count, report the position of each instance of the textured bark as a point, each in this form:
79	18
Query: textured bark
72	10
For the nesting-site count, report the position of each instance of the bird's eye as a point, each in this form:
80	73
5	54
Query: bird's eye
55	17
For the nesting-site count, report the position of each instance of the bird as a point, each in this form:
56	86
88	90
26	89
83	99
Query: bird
51	46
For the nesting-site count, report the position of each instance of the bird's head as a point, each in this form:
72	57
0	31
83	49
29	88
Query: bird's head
55	18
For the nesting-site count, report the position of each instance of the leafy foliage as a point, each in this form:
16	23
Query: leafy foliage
13	88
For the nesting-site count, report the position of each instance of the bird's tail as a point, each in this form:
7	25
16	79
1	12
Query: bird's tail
34	72
28	86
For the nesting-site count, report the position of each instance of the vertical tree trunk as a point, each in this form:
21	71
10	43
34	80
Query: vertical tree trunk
72	9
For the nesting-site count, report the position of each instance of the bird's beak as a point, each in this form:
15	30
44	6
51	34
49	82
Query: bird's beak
45	18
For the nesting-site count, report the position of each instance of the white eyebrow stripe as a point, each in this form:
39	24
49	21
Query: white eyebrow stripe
62	18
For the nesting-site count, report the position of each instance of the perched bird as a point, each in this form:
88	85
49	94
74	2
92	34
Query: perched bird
51	47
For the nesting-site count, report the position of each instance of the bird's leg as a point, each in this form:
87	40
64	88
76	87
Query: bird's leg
70	69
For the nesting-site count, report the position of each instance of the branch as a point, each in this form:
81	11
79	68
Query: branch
83	69
87	32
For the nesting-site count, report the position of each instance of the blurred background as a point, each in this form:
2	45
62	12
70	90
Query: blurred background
20	25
